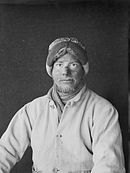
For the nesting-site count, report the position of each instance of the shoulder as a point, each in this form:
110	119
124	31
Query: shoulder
101	109
38	100
37	104
35	108
98	101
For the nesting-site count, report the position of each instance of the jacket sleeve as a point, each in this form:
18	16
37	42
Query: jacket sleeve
107	141
15	140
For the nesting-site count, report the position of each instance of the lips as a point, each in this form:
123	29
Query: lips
66	80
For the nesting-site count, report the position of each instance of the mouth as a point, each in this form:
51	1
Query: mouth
66	80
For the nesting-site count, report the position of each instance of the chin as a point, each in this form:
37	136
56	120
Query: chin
66	88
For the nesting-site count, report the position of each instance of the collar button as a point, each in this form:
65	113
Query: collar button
55	170
52	106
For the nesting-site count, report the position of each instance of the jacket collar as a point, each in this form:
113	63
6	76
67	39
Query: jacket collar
74	99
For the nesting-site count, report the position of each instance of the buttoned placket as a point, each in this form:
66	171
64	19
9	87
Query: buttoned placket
59	142
59	135
59	138
54	114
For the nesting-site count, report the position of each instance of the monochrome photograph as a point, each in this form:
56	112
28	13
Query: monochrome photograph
64	86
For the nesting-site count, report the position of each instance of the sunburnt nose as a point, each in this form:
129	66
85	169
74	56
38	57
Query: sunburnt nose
66	70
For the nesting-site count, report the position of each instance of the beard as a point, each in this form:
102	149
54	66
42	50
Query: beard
66	88
70	88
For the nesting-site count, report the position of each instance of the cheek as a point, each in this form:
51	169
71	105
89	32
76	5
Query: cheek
78	75
55	71
55	75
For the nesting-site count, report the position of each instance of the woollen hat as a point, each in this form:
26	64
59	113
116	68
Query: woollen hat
61	46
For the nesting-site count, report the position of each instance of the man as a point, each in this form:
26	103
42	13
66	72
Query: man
71	129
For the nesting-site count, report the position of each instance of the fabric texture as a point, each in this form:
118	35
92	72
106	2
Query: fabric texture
87	139
61	46
60	99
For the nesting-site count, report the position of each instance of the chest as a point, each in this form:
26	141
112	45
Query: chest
74	125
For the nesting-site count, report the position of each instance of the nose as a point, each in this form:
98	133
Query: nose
65	70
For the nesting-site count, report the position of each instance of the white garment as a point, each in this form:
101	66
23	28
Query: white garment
88	137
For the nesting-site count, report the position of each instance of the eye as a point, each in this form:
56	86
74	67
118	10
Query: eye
58	64
74	65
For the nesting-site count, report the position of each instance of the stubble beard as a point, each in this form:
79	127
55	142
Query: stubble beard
66	88
70	89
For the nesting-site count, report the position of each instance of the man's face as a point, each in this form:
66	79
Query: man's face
67	73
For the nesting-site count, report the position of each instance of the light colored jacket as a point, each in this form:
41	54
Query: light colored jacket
87	139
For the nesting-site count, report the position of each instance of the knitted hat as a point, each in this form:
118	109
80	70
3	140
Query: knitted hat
64	45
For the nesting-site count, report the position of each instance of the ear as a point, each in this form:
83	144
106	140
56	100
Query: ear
86	68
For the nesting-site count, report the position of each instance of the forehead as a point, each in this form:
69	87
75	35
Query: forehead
67	58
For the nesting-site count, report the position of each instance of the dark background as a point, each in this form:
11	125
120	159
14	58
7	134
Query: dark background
26	30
